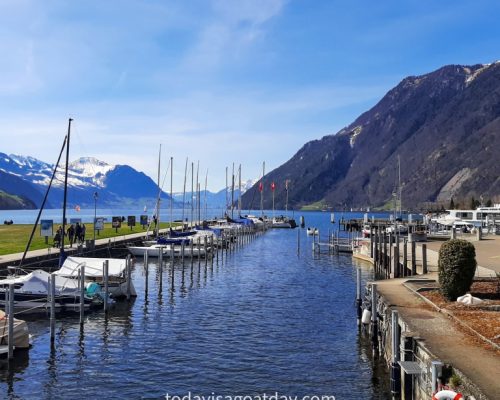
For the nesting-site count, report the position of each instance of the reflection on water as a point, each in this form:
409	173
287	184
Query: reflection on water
259	321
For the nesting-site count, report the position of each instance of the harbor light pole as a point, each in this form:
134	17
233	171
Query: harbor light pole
96	195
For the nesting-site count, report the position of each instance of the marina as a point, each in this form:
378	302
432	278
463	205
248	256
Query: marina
252	321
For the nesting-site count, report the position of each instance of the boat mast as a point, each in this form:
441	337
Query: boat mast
262	189
157	225
239	195
62	256
205	198
192	193
171	190
286	202
227	202
184	191
400	188
43	203
198	189
232	193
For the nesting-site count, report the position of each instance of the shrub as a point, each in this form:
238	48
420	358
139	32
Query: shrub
457	265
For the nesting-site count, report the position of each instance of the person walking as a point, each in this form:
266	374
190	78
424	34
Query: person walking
71	235
78	233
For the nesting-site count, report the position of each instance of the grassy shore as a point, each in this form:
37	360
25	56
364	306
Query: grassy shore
14	238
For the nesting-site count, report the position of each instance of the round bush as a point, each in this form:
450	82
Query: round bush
457	265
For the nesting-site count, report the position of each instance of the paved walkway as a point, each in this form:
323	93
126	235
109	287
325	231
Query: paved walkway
449	344
487	253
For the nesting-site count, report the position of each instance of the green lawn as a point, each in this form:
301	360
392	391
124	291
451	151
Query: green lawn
14	238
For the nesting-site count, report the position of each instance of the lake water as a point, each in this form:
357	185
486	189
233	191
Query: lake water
262	321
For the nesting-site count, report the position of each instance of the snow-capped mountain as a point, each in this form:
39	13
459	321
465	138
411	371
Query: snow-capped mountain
115	184
219	199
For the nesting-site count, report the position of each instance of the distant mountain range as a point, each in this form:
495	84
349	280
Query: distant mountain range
24	181
444	127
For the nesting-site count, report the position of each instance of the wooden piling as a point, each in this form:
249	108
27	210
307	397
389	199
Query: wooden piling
424	258
52	290
82	294
11	322
106	285
413	258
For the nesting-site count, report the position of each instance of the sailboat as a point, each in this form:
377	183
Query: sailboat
282	221
31	289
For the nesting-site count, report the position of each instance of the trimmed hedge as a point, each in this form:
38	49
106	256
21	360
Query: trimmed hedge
457	265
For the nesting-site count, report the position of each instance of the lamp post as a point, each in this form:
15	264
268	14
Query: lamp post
96	195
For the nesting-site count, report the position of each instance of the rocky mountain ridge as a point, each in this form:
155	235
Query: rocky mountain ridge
444	127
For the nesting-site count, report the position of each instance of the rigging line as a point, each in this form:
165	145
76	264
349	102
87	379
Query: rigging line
43	203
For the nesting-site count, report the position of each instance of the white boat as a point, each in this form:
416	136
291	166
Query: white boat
31	293
481	216
312	231
21	332
94	272
152	250
283	222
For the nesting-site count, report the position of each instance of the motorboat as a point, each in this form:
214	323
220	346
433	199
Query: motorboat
31	293
21	332
153	250
94	272
283	222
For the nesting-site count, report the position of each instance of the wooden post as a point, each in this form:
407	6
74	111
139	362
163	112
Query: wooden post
395	268
128	266
198	245
374	327
405	257
182	253
82	294
11	322
359	302
106	284
52	309
424	258
146	279
413	259
192	253
206	249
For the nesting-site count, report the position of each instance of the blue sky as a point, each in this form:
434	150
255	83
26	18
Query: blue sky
217	81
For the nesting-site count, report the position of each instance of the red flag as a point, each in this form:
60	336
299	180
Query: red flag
261	187
273	186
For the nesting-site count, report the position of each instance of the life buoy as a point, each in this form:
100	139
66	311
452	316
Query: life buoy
447	395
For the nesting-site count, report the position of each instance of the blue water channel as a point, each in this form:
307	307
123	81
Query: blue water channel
261	320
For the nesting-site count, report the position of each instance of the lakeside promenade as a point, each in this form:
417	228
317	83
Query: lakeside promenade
443	334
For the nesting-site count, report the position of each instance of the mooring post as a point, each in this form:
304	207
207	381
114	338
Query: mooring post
206	249
146	279
397	266
11	321
216	241
82	294
52	289
405	257
106	285
395	269
371	242
172	255
198	245
424	258
182	253
413	258
374	327
128	271
395	367
359	302
191	244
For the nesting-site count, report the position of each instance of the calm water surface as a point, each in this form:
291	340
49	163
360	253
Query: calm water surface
262	321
